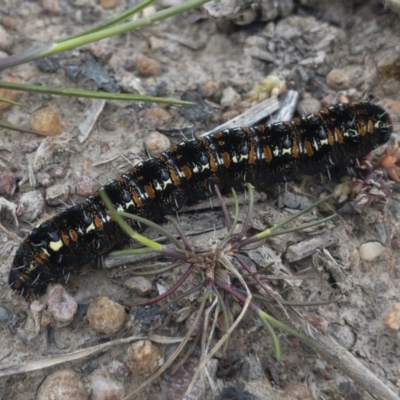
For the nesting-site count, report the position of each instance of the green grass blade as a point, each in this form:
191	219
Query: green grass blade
89	94
69	44
125	226
119	18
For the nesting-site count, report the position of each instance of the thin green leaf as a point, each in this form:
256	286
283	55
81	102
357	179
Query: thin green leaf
89	94
272	333
277	227
69	44
13	103
119	18
124	225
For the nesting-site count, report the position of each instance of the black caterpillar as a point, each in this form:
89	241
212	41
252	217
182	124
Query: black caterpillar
187	173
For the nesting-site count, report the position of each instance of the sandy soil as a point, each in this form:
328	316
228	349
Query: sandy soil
196	56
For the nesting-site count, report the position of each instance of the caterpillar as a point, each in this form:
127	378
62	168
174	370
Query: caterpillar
188	172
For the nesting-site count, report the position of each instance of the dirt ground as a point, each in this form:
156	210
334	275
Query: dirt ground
324	50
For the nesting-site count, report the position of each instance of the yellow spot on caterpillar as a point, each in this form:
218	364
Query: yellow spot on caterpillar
90	228
55	246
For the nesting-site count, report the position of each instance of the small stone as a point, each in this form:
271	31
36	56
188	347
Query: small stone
156	143
84	186
392	320
57	194
61	304
46	319
102	387
144	358
228	115
392	107
229	97
60	171
108	4
31	205
6	40
211	90
318	322
371	250
345	78
106	316
28	147
146	66
102	50
48	64
154	118
297	391
118	369
139	285
46	120
62	384
10	23
308	105
8	94
51	7
44	179
8	184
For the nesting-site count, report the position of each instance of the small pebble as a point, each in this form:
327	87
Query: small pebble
6	40
8	94
48	64
28	147
60	171
156	143
371	250
211	90
8	184
105	316
228	115
308	105
102	387
229	97
108	4
61	304
44	179
146	66
31	205
345	78
46	120
10	23
144	358
392	107
139	285
102	50
392	320
51	7
154	118
46	319
297	391
119	369
57	194
62	384
84	186
318	322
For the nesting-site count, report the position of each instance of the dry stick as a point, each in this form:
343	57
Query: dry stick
337	355
220	343
13	369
